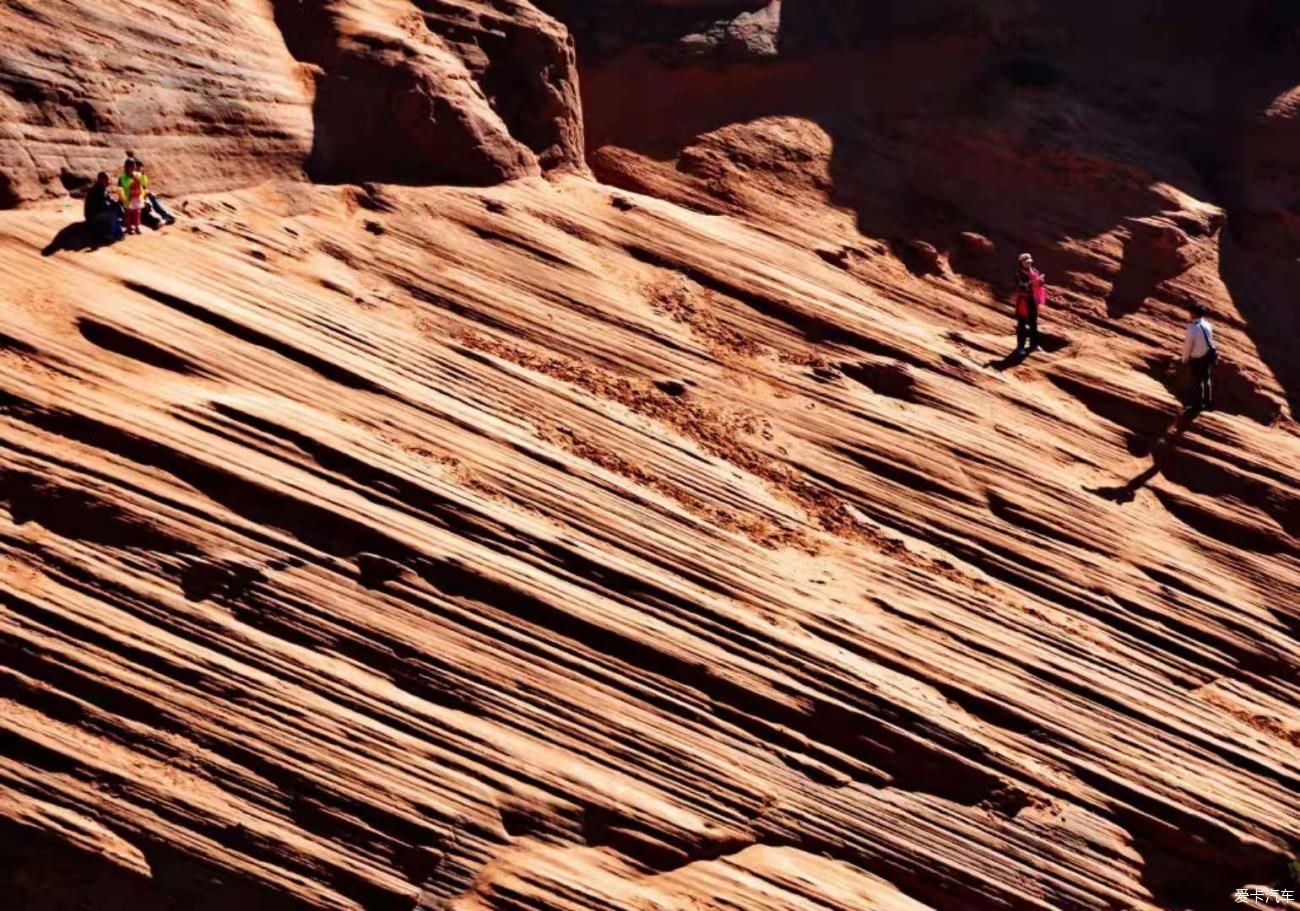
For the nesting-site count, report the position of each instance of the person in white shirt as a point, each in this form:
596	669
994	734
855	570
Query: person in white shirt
1200	354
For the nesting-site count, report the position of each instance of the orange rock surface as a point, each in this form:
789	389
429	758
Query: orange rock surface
690	543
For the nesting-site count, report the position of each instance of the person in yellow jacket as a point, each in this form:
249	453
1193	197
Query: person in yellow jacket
151	201
134	187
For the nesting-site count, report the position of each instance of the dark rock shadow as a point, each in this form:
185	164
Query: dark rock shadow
1256	170
894	139
917	256
884	377
1195	866
1132	286
933	180
41	872
1051	342
110	338
1154	252
1263	291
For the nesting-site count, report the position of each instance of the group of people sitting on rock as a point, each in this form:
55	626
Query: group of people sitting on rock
1199	351
114	210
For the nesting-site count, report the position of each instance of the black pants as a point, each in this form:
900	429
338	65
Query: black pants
1027	329
105	227
1203	381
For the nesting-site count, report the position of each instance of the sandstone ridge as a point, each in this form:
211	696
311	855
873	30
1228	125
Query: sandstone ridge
674	534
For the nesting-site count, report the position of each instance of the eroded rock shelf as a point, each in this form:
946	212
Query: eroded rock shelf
680	541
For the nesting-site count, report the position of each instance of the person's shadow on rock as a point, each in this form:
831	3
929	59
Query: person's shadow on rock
1008	361
1160	448
1047	343
73	238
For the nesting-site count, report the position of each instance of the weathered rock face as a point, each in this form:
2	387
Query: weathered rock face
221	96
677	30
430	91
1112	141
205	91
691	543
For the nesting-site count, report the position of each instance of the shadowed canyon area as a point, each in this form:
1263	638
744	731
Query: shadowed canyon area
568	456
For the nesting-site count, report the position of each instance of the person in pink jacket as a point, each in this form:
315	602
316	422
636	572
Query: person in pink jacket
1031	294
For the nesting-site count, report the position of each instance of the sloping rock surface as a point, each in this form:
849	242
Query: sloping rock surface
685	544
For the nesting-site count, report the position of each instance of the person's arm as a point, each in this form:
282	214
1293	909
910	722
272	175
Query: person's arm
1188	339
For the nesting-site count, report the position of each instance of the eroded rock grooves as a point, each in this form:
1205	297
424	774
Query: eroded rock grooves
684	543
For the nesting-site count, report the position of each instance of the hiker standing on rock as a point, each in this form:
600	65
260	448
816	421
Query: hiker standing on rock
1200	355
1031	293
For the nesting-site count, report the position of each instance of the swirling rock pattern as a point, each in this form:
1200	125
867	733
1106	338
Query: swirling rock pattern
217	96
363	561
686	545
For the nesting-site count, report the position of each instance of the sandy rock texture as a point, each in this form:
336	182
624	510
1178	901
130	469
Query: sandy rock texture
1114	140
223	95
205	90
435	91
670	536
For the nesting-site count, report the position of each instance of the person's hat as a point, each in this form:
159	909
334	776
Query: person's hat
1025	257
1198	310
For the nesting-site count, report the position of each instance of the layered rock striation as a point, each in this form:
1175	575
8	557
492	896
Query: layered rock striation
679	539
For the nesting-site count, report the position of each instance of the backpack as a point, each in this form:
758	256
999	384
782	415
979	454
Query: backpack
1210	351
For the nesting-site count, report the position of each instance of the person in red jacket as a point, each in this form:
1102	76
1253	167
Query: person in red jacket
1031	294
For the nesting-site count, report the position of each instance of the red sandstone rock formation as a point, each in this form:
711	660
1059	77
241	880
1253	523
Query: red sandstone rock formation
225	95
207	90
435	91
684	543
